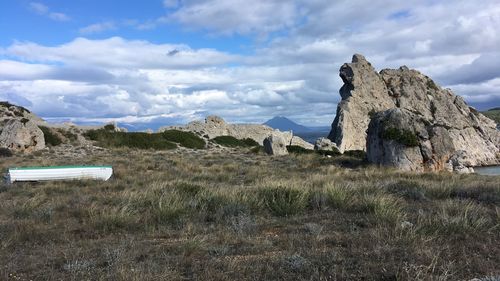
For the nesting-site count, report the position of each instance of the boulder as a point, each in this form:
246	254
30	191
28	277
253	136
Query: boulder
297	141
22	135
411	102
275	145
325	144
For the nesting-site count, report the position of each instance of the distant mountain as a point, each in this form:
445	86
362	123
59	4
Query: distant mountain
284	124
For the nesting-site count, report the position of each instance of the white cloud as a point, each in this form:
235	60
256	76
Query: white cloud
294	73
44	10
236	16
98	27
39	8
59	17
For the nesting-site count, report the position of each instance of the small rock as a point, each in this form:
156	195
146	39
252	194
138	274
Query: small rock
275	145
325	144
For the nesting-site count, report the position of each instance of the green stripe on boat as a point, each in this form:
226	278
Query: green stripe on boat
57	167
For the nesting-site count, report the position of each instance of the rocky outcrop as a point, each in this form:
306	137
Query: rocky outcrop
325	144
363	93
396	103
22	136
215	126
9	112
275	145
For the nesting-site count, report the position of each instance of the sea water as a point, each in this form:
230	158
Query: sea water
488	171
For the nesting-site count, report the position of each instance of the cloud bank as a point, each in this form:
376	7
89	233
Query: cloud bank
293	71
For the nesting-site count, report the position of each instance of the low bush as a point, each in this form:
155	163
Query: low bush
5	152
298	149
51	138
133	140
185	139
231	141
404	137
281	201
334	152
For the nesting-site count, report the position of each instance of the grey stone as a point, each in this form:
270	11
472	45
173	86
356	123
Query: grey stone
275	145
22	136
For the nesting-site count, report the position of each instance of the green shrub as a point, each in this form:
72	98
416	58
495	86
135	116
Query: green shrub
298	149
282	201
109	127
133	140
333	152
5	152
404	137
68	135
185	139
50	137
230	141
250	142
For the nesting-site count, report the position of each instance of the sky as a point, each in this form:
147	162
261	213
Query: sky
164	62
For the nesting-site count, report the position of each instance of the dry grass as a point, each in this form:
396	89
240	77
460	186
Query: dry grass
200	214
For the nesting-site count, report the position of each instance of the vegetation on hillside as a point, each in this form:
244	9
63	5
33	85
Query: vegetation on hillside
494	114
110	139
50	136
404	137
230	141
185	139
240	216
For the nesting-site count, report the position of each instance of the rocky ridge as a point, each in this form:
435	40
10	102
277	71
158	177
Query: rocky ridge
215	126
380	111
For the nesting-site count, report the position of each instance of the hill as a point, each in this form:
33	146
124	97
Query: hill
284	124
493	113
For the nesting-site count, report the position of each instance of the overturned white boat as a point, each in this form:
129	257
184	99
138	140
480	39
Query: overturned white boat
60	173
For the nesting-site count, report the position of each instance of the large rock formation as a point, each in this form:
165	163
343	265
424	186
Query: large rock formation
22	136
363	93
416	124
215	126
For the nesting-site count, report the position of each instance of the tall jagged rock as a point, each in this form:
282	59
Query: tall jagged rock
364	92
446	128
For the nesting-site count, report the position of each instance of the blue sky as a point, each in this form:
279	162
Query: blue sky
172	61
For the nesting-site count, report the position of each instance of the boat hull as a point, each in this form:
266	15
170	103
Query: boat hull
60	173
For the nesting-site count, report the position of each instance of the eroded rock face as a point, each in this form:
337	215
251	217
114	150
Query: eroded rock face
443	123
22	136
215	126
275	145
364	92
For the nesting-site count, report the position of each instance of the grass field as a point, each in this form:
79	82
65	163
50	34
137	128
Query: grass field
236	215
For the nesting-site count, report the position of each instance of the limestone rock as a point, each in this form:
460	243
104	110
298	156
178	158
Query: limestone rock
364	92
325	144
443	122
297	141
406	140
275	145
22	136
